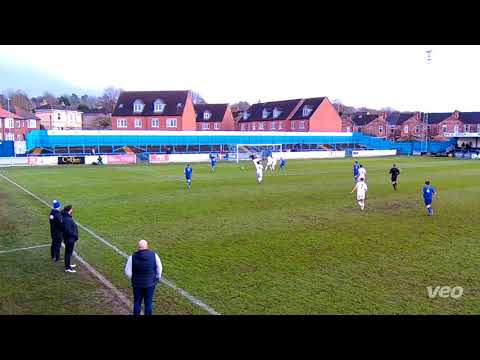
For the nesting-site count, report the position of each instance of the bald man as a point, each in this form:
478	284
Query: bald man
144	268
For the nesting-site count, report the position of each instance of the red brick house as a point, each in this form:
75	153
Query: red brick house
154	110
214	117
17	124
370	124
313	114
405	126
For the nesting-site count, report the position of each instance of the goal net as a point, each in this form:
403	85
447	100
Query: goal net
244	151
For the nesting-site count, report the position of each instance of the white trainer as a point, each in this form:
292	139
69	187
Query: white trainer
70	271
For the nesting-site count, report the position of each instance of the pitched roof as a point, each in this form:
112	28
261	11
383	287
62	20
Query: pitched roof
399	118
285	107
124	106
25	114
7	114
217	111
55	107
363	119
435	118
470	117
313	103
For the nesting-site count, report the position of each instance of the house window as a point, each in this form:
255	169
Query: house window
380	129
444	128
405	129
216	126
466	128
59	116
207	115
205	126
17	124
158	106
302	125
280	125
276	113
265	113
246	115
254	126
32	124
1	135
455	129
348	129
242	127
272	126
19	138
478	128
171	123
292	126
9	123
138	106
417	129
122	123
10	137
392	129
429	128
261	126
306	111
138	123
155	123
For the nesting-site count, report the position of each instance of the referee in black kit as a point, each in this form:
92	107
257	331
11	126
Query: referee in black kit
394	172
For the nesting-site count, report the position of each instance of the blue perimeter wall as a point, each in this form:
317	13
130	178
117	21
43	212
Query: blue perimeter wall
41	139
7	148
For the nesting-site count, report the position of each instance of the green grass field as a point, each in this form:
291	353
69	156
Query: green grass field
296	244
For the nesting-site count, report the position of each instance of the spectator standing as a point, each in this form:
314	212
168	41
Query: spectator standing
144	268
70	237
56	230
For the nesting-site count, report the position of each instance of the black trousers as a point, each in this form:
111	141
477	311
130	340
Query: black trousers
69	245
55	248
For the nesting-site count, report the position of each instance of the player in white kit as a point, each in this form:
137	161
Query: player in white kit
259	167
362	173
362	189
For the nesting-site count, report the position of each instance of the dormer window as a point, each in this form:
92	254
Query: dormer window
207	115
276	113
265	113
306	111
120	106
246	115
158	106
138	106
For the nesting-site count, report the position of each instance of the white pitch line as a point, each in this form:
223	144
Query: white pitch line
102	279
25	248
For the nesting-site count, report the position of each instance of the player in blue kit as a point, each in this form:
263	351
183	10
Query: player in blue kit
213	162
188	175
428	192
356	168
283	162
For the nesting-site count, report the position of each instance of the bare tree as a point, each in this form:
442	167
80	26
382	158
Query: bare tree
20	99
104	122
109	98
49	98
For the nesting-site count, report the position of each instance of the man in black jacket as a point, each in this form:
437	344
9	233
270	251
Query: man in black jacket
70	236
56	230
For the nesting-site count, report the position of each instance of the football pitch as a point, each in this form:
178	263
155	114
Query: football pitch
295	244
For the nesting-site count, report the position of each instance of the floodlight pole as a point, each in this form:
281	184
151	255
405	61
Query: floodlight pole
428	54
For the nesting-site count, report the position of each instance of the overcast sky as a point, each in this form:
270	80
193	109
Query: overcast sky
371	76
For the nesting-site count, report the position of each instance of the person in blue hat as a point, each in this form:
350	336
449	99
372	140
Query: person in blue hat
56	229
